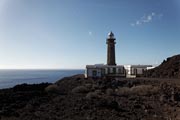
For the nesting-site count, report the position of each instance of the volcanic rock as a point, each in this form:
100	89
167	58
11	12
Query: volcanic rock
169	68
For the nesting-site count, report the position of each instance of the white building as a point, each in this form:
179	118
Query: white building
129	71
101	71
136	70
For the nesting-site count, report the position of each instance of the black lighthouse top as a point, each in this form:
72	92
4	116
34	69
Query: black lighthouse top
111	35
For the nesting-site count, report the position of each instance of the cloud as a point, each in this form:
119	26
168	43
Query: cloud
132	24
147	19
153	14
160	16
90	33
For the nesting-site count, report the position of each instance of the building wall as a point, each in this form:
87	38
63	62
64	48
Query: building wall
105	70
91	72
128	69
120	70
136	70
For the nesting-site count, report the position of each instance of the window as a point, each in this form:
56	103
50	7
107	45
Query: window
94	73
114	70
119	70
103	72
109	70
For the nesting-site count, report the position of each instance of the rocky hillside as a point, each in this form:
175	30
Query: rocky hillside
77	98
169	68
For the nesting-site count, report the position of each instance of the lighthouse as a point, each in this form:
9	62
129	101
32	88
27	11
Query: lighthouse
111	60
110	69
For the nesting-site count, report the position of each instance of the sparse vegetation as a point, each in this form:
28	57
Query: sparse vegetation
137	90
109	91
52	89
92	95
80	89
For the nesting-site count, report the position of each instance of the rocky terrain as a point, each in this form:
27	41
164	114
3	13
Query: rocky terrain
169	68
77	98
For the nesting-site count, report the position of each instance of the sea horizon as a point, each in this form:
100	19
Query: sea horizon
41	69
12	77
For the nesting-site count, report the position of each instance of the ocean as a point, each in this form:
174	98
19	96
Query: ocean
10	78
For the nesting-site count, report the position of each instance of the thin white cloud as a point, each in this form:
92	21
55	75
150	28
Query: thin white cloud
146	19
90	33
138	22
160	16
153	14
132	24
149	18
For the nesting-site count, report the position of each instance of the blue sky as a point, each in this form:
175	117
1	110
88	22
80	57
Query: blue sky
69	34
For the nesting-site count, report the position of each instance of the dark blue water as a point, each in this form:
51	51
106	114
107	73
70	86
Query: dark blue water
10	78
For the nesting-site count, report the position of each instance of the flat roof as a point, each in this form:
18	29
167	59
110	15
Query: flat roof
116	66
104	66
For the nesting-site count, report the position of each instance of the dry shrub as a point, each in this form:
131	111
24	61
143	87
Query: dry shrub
92	95
80	89
137	90
95	86
178	87
154	90
52	89
98	91
123	91
109	91
141	89
88	85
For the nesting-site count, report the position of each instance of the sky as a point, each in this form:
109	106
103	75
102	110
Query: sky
70	34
